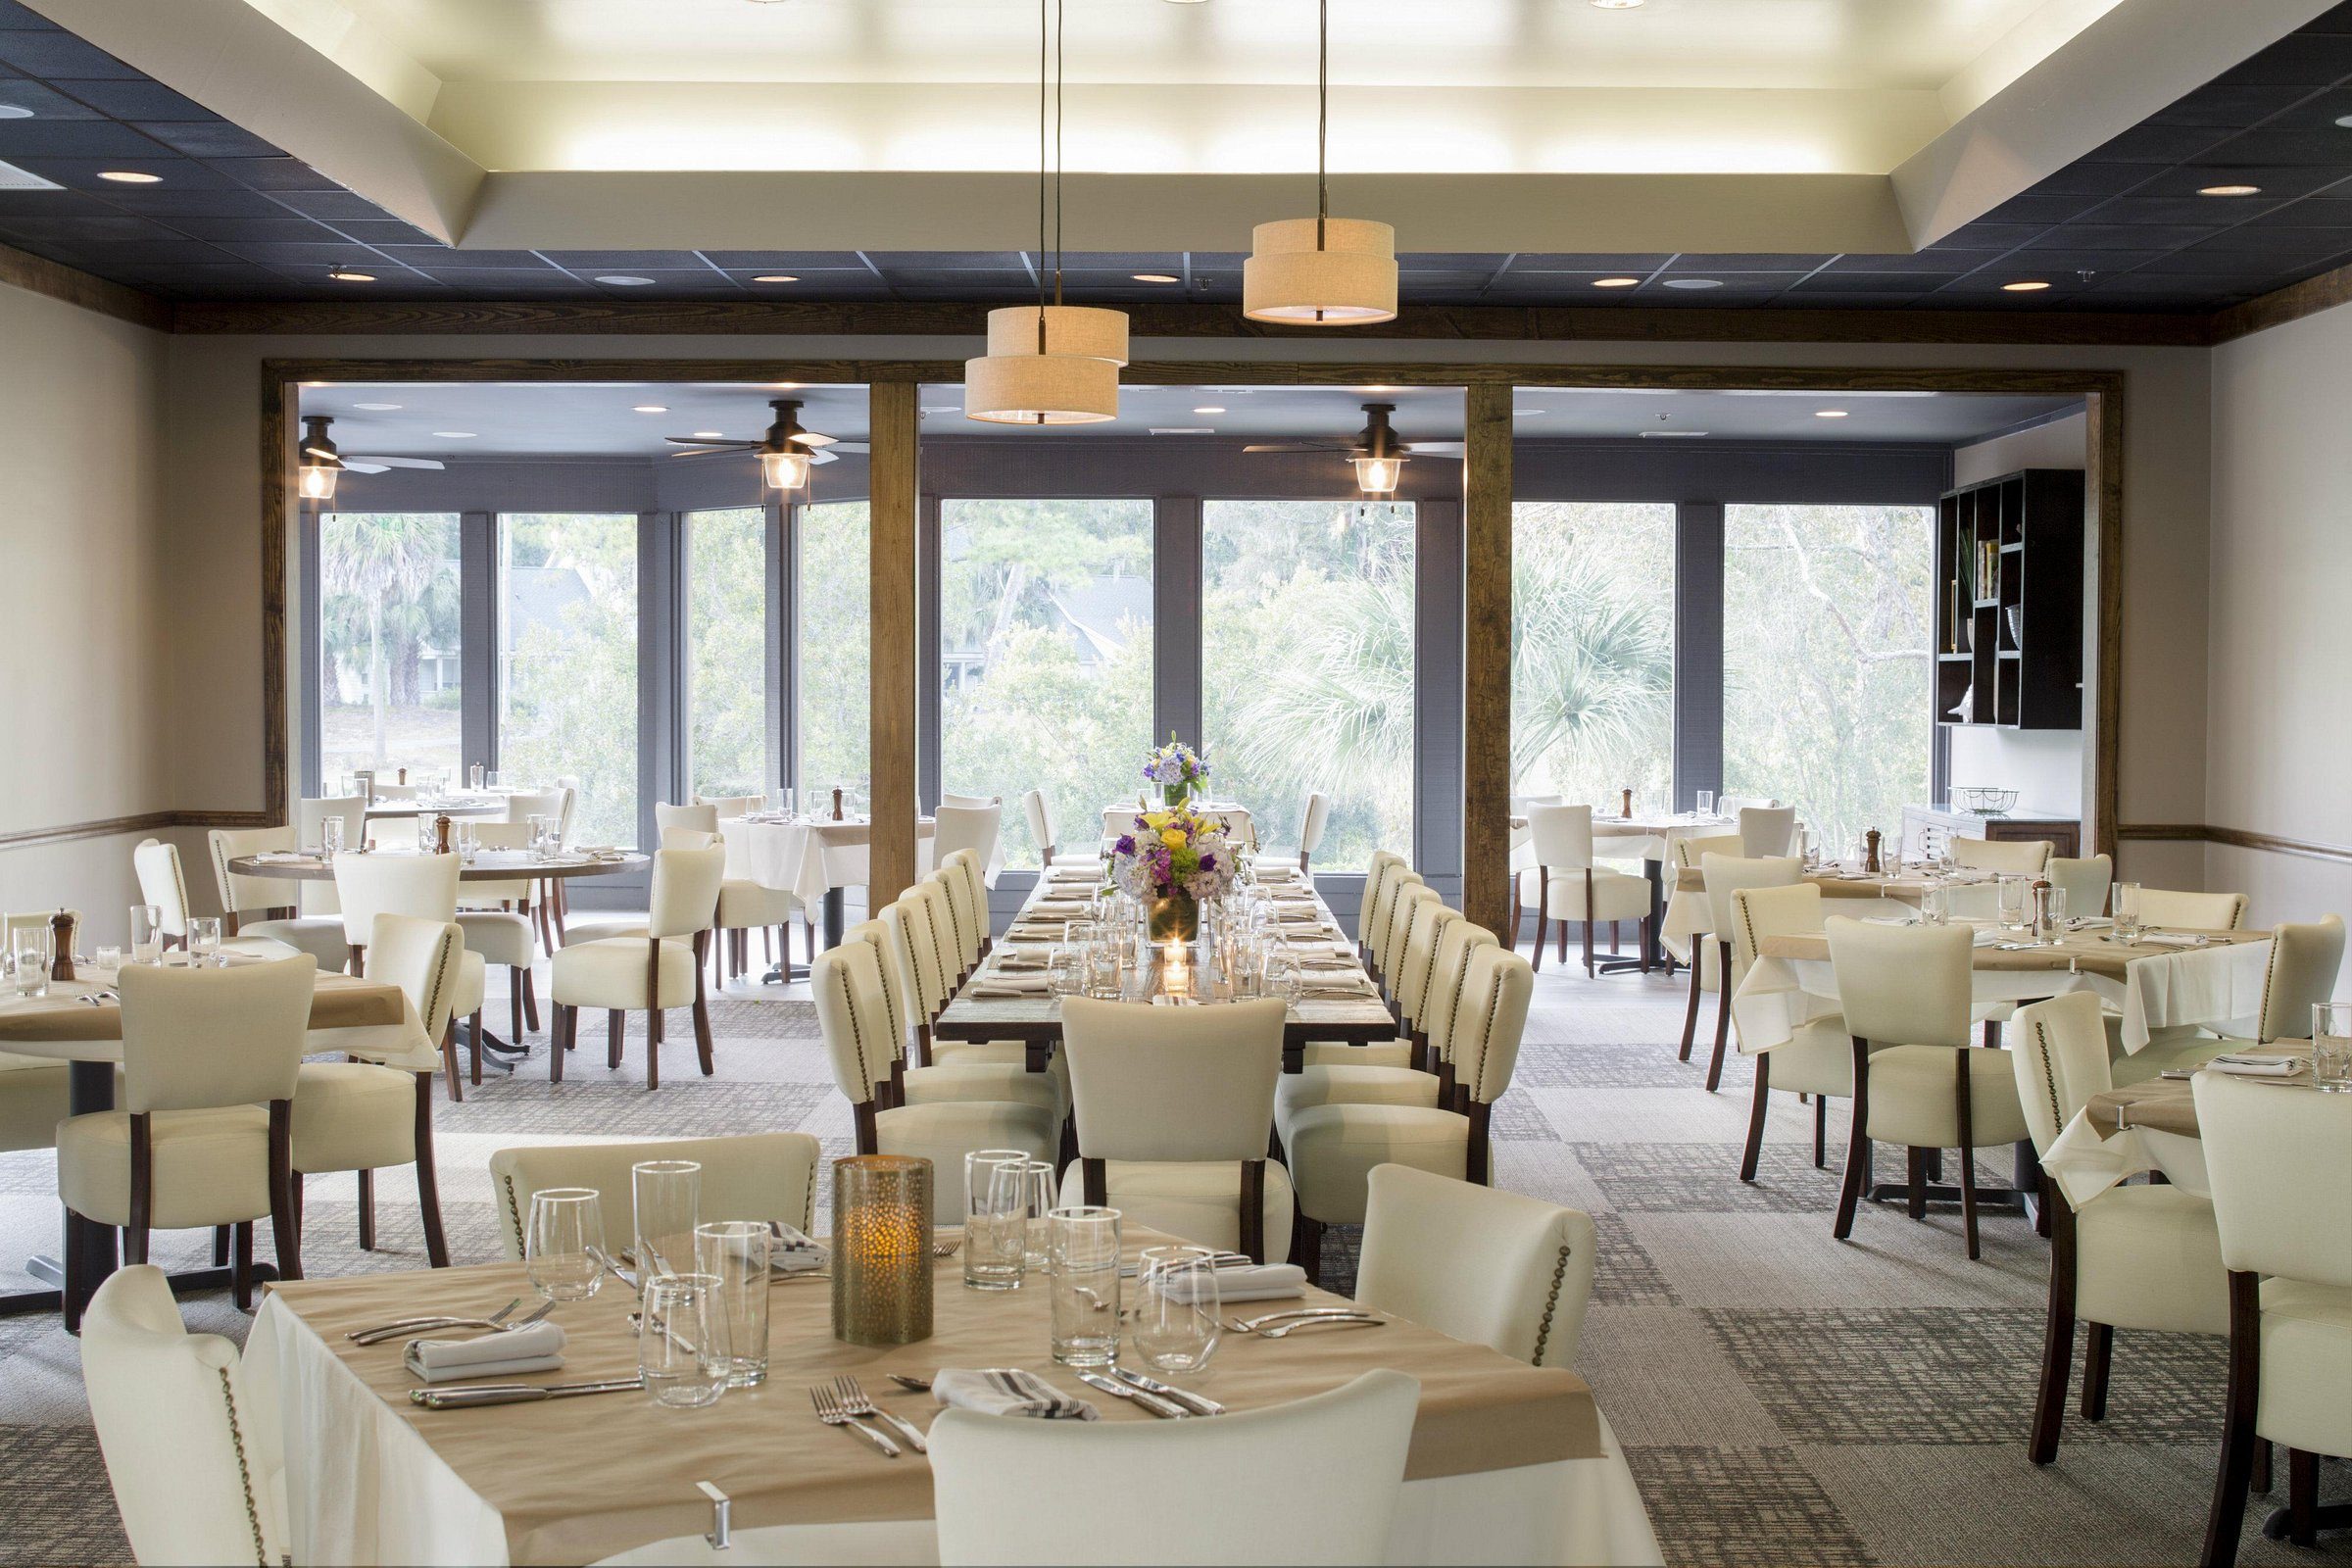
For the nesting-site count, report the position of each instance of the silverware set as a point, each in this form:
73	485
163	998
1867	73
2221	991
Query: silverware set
854	1402
830	1412
495	1323
1278	1325
481	1394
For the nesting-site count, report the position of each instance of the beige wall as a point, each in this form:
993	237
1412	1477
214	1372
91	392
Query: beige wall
83	606
2279	751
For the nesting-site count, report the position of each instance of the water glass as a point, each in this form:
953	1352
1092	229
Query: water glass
1706	803
567	1226
473	776
425	840
1065	969
668	1195
682	1340
2015	897
491	778
204	940
30	945
735	1254
146	934
989	1211
1177	1309
2331	1046
1102	977
330	836
2127	910
1035	1193
108	958
2054	907
1935	905
1082	1254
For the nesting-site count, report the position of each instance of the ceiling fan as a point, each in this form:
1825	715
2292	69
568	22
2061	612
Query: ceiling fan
785	452
1378	455
322	462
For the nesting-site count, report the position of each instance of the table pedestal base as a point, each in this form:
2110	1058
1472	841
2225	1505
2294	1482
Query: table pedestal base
51	1272
2280	1524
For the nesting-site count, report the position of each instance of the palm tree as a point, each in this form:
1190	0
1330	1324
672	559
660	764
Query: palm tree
1590	668
386	562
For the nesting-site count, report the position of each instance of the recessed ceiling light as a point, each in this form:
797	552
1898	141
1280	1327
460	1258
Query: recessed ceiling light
1829	413
129	176
1673	435
1616	282
1209	409
2230	190
1617	5
709	435
377	408
1527	412
351	274
15	112
455	436
771	278
619	281
2025	286
652	408
1694	282
1160	278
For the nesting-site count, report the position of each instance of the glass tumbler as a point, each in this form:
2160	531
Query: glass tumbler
667	1195
2331	1046
330	836
1705	803
146	934
990	1211
28	945
204	940
1081	1254
1035	1194
1177	1310
2127	910
682	1340
567	1226
735	1254
2014	896
1935	905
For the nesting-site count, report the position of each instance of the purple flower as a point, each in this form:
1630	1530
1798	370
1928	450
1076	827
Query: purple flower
1125	846
1209	862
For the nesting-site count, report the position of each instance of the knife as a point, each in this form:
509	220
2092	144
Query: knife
513	1392
1197	1404
1153	1402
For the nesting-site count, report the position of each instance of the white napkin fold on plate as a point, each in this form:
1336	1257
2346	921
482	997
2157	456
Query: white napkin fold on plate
1027	983
2245	1066
1007	1390
1242	1282
537	1349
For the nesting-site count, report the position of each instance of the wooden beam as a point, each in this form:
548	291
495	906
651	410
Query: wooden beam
40	275
891	511
1487	659
2103	504
2281	305
280	409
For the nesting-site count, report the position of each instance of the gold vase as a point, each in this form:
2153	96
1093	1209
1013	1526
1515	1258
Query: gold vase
1175	918
881	1249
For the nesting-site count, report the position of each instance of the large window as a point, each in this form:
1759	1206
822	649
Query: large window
1825	661
726	652
568	661
836	610
390	686
1044	656
1592	650
1307	662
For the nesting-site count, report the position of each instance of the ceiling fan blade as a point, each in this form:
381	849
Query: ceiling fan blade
354	466
821	455
396	463
809	438
1434	448
850	446
322	454
1299	446
710	446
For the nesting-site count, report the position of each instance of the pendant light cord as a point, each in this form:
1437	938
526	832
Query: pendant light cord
1322	116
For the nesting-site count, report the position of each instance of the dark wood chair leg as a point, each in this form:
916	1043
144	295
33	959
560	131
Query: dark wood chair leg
701	1036
2098	1356
615	1021
2261	1482
240	1266
2057	1348
449	1060
514	1004
1309	1246
559	1041
1253	1211
2302	1497
220	1243
1699	968
473	1045
1755	1118
429	1182
1857	1145
1821	1129
1914	1173
143	1188
1542	919
2228	1515
1722	1013
653	1047
530	1000
284	1207
1585	940
1964	1102
367	1211
1644	928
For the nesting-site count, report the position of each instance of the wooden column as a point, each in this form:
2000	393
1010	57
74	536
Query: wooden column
2103	513
1487	657
891	757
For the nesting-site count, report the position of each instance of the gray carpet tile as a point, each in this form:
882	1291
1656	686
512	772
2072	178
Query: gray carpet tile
1624	1274
1740	1506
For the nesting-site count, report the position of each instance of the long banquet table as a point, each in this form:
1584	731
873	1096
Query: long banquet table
813	858
1508	1462
1006	998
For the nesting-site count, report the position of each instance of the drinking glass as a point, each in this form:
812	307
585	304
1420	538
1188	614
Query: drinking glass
1281	974
668	1194
735	1254
2057	911
108	958
1082	1252
1935	905
1034	1195
491	778
2127	910
567	1225
2013	899
1065	969
988	1211
1102	970
1177	1309
682	1340
425	841
473	776
30	945
2331	1046
1706	803
204	940
146	934
330	836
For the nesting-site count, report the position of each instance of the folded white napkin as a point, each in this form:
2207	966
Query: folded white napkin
792	1250
1007	1390
1242	1282
537	1349
285	856
2245	1066
1986	935
2171	939
1000	984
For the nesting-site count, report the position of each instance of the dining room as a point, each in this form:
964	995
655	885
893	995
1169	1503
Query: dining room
1600	872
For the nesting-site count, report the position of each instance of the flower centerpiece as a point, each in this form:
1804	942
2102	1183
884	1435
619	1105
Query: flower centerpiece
1171	861
1180	772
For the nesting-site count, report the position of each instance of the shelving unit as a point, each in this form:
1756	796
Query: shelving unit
2009	602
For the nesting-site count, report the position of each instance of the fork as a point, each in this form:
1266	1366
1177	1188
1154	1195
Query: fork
378	1336
855	1401
830	1412
492	1321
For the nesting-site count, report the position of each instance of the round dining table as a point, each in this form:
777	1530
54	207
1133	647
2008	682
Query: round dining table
487	865
396	808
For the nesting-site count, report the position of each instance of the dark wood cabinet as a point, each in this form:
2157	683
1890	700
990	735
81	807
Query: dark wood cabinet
2009	602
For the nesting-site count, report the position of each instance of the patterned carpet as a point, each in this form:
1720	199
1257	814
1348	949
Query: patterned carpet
1783	1397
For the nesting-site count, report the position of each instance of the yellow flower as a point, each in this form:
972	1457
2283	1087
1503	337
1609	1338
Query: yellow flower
1156	820
1172	838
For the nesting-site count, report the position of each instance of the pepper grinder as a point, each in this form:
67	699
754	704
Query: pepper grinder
441	834
403	775
2045	929
1625	809
1870	851
61	946
837	803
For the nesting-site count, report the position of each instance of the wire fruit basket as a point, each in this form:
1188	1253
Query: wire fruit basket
1985	802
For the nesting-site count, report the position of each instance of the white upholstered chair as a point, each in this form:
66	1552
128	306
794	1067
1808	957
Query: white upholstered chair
1427	1081
559	803
1388	874
364	1115
319	935
1726	875
2029	856
649	967
2085	881
1043	829
164	884
194	1458
1312	1482
1173	1107
2132	1258
1313	820
1765	830
971	1078
1918	1081
1426	920
210	1062
1494	1268
1333	1149
977	827
957	876
311	816
1411	901
745	905
727	805
758	1176
2192	911
1818	1059
500	926
2276	1161
852	1015
2305	957
423	887
1571	888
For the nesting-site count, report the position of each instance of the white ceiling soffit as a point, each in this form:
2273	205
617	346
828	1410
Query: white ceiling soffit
1703	126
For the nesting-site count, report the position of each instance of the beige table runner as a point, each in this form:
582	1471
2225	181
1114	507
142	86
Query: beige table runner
581	1480
2086	951
2167	1104
1907	888
341	1002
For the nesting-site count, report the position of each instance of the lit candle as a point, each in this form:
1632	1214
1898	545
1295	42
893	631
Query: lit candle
1176	975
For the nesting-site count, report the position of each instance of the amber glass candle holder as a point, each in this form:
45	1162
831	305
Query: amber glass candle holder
881	1249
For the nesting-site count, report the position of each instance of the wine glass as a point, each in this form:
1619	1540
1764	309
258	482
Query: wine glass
1176	1313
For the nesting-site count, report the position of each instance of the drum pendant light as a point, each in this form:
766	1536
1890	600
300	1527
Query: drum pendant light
1321	270
1048	363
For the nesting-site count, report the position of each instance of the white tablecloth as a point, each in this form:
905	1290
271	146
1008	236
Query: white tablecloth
809	858
1643	838
402	1045
2084	1164
362	1487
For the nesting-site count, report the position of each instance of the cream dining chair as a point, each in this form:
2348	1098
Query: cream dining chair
314	900
2132	1258
2305	959
2276	1161
1726	875
1314	819
1390	1072
499	921
1412	902
977	825
2085	882
1817	1058
1229	1490
1694	950
1173	1107
2027	856
1765	830
756	1176
550	907
423	887
1372	908
164	884
1580	891
967	1079
192	1451
650	966
1426	921
362	1116
745	905
1043	830
2192	911
1490	1267
968	909
319	936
